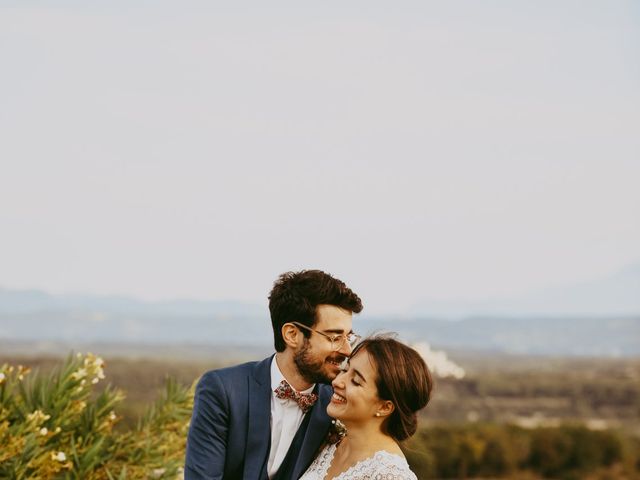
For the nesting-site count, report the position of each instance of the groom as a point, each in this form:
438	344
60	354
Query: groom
266	420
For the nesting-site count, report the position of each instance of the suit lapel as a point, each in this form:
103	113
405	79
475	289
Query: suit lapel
259	428
315	433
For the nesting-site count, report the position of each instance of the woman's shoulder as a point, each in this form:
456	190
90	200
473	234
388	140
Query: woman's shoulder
386	464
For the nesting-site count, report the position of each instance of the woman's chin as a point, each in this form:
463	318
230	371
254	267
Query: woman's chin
333	411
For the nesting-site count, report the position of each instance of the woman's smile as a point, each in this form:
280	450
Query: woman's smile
337	398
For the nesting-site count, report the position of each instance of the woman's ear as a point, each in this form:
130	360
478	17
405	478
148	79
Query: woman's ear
385	408
290	334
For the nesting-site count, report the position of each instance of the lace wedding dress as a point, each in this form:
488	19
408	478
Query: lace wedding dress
381	466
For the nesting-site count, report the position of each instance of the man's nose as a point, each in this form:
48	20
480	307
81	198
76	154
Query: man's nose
345	349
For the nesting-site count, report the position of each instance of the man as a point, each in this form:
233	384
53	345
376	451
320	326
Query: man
266	420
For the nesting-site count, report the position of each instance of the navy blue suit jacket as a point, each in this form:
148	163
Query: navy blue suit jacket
230	431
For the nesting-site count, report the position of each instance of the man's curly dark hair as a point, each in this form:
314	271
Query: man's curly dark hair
295	296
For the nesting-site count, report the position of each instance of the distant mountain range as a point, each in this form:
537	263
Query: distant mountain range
36	315
614	295
600	318
35	301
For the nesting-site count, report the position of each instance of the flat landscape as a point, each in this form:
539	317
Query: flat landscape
508	417
529	391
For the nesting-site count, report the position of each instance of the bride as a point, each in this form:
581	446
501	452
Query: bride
376	398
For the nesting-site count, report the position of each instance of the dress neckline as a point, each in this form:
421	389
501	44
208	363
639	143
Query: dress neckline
334	447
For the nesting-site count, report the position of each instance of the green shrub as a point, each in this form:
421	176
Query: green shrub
503	451
58	426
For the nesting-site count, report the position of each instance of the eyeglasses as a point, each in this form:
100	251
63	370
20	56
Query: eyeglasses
337	341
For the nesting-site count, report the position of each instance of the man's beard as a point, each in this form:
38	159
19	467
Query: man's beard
311	370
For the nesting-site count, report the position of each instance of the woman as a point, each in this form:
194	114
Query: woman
376	398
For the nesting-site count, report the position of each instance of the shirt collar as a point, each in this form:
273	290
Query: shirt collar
277	377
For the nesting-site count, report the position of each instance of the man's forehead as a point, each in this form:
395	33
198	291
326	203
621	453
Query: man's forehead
331	317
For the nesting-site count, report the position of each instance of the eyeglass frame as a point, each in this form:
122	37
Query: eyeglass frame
333	338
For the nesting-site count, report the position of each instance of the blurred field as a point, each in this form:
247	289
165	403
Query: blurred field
510	417
526	391
542	391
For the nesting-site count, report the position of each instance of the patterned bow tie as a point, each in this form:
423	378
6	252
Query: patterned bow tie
304	400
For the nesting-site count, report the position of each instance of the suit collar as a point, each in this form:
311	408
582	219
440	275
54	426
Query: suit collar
259	426
260	371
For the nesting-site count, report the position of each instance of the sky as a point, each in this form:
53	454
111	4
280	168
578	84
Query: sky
425	150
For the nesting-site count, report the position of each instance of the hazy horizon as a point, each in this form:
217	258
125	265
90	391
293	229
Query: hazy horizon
608	297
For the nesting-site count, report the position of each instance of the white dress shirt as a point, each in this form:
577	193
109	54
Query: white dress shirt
286	417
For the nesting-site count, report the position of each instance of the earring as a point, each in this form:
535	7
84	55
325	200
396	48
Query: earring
377	414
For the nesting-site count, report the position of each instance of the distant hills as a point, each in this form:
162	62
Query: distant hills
36	315
614	295
600	318
34	301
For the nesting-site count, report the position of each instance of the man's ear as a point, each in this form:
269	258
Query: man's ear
385	408
290	334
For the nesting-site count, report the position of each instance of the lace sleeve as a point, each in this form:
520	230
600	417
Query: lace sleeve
382	466
393	472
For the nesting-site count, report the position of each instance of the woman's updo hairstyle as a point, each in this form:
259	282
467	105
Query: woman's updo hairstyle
403	378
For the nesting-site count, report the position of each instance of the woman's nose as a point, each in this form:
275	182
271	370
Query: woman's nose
338	382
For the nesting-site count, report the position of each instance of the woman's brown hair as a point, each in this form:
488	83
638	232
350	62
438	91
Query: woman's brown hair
403	378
